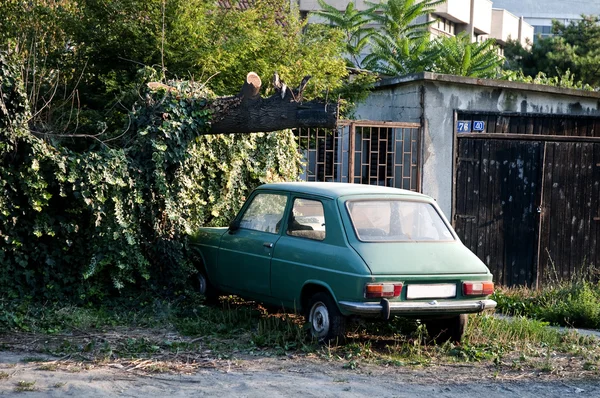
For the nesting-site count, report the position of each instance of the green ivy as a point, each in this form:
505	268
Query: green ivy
91	224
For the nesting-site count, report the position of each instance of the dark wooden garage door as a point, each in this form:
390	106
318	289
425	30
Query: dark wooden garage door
529	206
570	223
496	205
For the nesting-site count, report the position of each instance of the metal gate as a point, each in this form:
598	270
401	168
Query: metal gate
363	152
527	194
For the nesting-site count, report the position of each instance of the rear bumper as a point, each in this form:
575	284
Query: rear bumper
418	307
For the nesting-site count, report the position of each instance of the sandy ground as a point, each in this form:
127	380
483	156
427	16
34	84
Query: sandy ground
275	377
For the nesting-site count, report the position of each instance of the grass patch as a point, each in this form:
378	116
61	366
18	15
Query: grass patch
520	344
23	386
48	366
161	332
55	318
574	303
4	375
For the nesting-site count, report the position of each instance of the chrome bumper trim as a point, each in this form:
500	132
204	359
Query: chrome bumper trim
405	307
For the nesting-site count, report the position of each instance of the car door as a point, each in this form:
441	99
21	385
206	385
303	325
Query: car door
312	249
245	254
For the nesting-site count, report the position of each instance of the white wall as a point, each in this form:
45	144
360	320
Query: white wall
482	16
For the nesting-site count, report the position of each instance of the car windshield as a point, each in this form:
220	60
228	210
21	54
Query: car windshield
397	221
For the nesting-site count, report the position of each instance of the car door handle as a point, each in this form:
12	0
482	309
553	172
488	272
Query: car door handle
268	244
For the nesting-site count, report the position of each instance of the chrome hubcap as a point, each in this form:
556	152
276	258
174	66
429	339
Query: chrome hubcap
319	320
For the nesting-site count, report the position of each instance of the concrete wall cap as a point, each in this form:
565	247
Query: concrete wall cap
472	81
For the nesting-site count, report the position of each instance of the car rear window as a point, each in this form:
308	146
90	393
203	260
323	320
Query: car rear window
397	221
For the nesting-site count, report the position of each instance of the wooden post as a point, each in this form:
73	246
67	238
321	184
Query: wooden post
454	169
351	154
537	282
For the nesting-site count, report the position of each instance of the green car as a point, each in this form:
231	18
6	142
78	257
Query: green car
335	250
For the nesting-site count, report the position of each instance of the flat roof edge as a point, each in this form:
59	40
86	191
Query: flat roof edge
473	81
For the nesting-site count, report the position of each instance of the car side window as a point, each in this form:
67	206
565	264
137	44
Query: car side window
307	219
264	213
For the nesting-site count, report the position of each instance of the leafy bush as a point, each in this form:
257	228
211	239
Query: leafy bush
573	47
565	80
88	224
575	303
82	57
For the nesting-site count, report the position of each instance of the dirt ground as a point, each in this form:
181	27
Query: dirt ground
24	376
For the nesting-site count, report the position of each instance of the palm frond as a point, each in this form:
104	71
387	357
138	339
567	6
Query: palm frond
459	56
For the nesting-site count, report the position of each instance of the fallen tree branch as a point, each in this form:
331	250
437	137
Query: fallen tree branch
248	112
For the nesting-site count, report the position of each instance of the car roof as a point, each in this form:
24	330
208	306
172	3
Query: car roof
337	189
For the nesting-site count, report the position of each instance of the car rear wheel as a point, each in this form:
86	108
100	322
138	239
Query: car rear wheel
327	324
447	329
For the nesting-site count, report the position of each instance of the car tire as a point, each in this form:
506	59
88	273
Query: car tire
447	329
205	288
327	324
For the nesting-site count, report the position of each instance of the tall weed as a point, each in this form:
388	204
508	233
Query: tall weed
571	303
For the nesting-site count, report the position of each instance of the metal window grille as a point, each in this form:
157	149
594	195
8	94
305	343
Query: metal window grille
373	153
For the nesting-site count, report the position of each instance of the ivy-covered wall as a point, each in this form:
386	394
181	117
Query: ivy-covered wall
86	225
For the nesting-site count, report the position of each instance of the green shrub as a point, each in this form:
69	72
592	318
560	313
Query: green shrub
116	216
575	303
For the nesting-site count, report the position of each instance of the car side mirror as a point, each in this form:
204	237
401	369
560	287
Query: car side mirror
234	226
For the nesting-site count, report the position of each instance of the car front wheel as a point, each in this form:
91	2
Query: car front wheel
326	321
205	288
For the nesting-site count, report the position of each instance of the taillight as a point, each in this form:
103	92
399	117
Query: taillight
478	288
375	290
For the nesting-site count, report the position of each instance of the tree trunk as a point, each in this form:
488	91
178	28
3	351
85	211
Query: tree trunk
248	112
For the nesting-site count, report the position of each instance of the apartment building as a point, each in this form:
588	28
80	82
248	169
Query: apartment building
477	17
540	14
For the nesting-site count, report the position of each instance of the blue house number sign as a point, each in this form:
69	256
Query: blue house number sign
478	125
464	126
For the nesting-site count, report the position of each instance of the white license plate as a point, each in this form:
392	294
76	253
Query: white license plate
445	290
